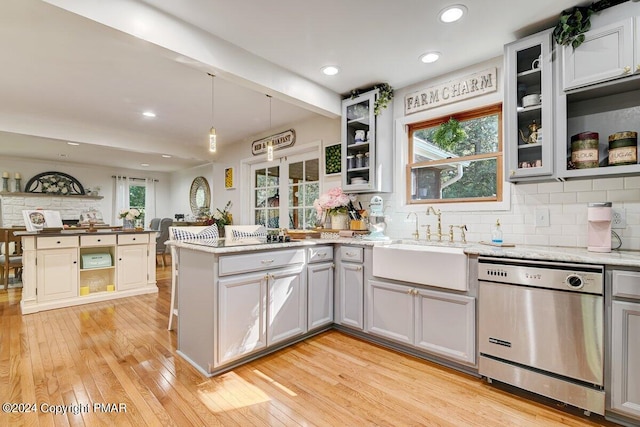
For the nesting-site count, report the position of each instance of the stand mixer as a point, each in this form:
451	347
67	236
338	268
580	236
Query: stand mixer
377	220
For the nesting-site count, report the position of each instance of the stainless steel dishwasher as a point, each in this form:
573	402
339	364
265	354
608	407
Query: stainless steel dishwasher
541	328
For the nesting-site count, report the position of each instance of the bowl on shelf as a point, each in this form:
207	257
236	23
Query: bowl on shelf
358	180
531	100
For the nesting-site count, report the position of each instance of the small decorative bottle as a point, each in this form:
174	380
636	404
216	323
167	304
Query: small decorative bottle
496	234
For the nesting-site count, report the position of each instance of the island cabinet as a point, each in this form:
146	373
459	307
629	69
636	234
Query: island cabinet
320	279
529	108
77	268
440	323
236	306
354	266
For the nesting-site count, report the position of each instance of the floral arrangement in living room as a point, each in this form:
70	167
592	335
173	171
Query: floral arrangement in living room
222	217
130	214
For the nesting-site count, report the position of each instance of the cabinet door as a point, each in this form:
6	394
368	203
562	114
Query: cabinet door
445	325
528	123
57	274
132	266
625	358
242	312
320	291
390	311
287	307
605	54
359	142
351	298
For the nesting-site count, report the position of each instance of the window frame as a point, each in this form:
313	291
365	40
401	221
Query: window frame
492	109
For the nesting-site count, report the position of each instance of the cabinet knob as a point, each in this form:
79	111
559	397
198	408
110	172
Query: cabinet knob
359	269
626	69
512	172
58	242
266	261
99	240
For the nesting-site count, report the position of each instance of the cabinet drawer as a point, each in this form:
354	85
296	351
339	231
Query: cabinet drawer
57	242
98	240
626	284
350	253
133	239
234	264
319	254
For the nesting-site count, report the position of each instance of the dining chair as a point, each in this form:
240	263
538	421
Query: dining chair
161	238
11	254
184	233
155	224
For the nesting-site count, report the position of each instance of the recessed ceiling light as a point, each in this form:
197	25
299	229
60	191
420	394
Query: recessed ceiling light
452	13
72	143
166	156
144	164
330	70
149	114
430	57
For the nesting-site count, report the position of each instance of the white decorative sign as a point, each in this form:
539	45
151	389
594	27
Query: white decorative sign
453	91
278	141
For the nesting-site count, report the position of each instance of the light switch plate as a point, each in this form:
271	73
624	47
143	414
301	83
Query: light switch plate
542	217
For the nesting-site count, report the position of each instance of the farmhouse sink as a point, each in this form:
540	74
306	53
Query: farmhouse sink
443	267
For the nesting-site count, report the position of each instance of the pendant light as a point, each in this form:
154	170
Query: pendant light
270	142
212	132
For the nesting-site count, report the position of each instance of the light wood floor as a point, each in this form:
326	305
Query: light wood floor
119	352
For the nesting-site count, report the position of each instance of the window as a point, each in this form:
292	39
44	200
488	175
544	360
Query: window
456	158
137	194
297	177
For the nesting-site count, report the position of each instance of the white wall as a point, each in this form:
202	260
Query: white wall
91	176
180	189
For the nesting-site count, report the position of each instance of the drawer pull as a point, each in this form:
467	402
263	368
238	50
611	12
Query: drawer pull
266	261
322	254
99	240
58	242
350	254
359	269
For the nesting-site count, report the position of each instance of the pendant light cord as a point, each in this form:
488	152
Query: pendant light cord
212	97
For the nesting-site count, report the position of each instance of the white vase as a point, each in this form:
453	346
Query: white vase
340	221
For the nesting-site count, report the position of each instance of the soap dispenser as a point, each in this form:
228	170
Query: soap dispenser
496	234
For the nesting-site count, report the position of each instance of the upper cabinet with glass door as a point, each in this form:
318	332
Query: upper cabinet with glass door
366	145
528	108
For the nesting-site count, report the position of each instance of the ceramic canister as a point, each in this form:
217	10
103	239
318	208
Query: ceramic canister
623	148
584	150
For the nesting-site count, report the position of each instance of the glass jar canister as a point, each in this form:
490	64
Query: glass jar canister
351	162
359	160
366	160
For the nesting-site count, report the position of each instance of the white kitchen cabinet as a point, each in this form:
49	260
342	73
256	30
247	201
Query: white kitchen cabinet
320	273
625	363
242	311
529	128
287	304
350	288
132	266
438	322
606	53
367	140
623	383
57	273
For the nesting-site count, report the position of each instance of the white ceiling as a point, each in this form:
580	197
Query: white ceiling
65	77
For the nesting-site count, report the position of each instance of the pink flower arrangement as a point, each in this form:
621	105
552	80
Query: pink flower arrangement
334	200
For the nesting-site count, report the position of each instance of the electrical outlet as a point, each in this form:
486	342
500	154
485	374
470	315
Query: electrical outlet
619	218
542	217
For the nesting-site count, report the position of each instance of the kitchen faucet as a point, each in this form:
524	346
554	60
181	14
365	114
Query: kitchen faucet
439	214
415	234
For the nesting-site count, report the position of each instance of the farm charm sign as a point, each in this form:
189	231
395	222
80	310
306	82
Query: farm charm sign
466	87
279	141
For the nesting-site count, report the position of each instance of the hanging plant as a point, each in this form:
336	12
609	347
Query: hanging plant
449	134
385	95
575	22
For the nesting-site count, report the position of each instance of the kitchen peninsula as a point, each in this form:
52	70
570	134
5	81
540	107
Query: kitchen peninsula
73	267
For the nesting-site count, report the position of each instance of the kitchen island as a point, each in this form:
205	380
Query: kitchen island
73	267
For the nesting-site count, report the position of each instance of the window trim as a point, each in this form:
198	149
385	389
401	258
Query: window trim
465	115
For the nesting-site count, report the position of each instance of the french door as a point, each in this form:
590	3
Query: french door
283	191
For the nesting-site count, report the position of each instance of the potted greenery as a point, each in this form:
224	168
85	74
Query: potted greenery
577	21
385	95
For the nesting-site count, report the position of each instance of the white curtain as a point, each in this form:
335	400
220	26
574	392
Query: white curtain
120	197
149	200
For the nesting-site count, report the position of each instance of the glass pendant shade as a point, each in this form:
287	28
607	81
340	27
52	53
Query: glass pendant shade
270	151
212	140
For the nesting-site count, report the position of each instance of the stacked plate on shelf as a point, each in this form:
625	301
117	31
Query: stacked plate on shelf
358	180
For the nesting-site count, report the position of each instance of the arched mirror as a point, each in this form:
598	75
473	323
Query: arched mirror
200	196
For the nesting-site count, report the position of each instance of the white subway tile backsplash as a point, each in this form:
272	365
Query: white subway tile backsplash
632	182
578	185
631	195
537	199
608	184
536	240
592	196
550	187
566	197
